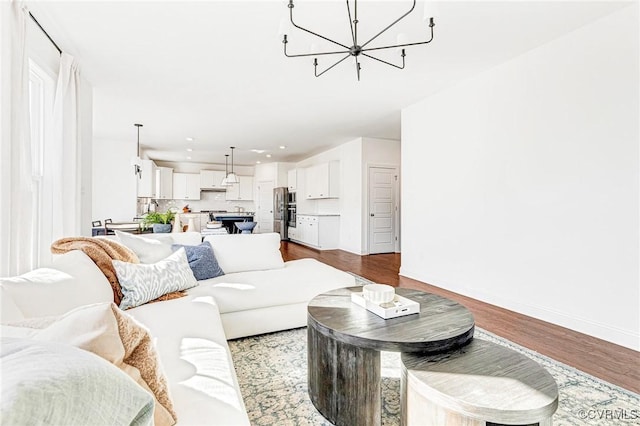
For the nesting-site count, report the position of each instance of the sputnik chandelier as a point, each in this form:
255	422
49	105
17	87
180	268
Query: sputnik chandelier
355	50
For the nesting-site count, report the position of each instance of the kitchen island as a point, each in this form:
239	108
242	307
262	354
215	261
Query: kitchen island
229	219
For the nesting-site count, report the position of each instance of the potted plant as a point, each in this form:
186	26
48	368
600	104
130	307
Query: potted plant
161	222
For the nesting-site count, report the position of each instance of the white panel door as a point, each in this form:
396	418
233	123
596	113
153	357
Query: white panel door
264	207
382	208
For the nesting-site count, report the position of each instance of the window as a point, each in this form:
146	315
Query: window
41	93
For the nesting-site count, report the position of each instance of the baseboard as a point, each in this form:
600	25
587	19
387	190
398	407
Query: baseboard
358	252
614	335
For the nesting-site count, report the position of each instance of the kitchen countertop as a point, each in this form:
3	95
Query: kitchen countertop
318	214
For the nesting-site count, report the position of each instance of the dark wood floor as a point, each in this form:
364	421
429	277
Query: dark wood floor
610	362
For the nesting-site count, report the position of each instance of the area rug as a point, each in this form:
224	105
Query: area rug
272	372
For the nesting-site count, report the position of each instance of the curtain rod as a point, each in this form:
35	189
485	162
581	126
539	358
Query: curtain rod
45	33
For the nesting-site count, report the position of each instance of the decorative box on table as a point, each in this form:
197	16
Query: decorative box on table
398	307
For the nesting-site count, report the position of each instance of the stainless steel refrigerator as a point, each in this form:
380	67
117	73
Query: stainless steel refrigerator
280	196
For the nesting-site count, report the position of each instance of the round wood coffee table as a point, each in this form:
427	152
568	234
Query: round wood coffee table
345	340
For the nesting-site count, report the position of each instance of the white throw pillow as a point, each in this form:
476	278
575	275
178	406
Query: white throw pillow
141	283
75	281
148	250
247	252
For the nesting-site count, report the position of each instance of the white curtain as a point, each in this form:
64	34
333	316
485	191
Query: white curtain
17	213
66	161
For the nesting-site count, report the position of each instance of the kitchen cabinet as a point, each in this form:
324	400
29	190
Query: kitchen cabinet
292	180
319	231
147	181
322	181
242	191
211	179
164	183
292	233
186	186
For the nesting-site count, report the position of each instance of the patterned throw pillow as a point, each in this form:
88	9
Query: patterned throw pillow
202	261
142	283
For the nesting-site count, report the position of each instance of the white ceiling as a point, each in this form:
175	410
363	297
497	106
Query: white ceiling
215	71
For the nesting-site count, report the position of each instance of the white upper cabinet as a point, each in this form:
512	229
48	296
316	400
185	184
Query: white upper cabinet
186	186
292	180
164	183
322	181
241	191
147	182
211	179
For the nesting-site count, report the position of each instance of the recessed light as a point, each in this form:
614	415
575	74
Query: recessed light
189	149
268	155
282	147
188	158
258	151
258	162
189	139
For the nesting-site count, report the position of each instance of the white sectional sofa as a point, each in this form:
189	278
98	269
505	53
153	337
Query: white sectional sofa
259	293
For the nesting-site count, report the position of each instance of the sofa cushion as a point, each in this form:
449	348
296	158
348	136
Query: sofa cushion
202	261
148	250
247	252
9	311
298	281
66	385
196	360
142	283
186	238
75	281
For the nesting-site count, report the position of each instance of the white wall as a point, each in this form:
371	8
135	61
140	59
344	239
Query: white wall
181	167
520	186
352	205
85	118
114	183
378	153
209	200
277	172
350	202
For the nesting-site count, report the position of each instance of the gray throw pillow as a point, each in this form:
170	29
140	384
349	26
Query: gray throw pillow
58	384
202	261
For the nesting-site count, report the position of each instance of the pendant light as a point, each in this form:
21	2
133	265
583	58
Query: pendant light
136	162
232	178
226	171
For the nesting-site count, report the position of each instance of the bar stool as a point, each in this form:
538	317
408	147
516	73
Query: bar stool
246	227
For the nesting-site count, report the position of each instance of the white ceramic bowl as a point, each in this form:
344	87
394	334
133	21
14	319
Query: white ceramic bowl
378	293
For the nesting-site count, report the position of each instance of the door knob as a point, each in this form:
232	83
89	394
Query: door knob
372	215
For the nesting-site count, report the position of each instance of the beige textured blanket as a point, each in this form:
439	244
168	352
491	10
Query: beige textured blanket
102	251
